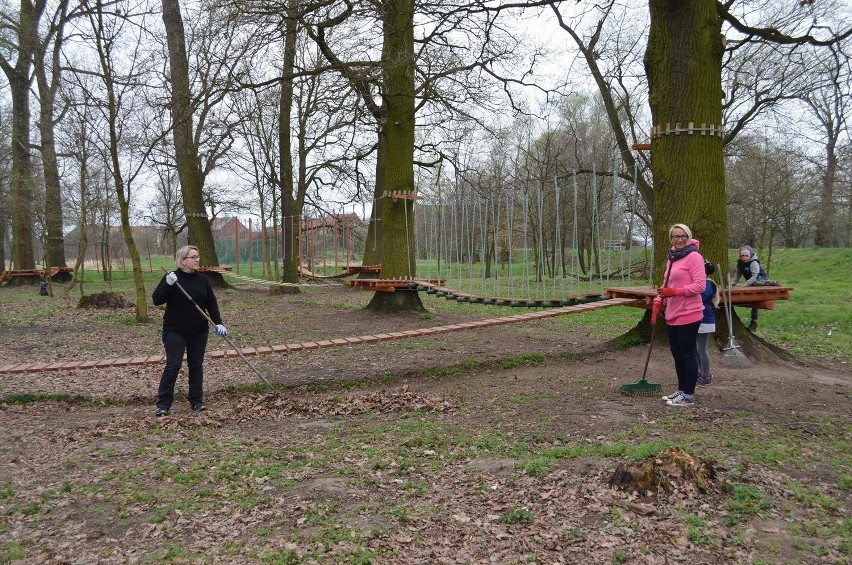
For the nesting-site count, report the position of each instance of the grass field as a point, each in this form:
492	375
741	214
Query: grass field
815	322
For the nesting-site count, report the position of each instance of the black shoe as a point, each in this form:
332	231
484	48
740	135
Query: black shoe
753	325
162	412
199	407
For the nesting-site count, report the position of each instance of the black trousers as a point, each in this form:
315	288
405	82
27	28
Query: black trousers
176	344
682	342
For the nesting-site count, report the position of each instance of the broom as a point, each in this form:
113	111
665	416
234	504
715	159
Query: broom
644	387
732	355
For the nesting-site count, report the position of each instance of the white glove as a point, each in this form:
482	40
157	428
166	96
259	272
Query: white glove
220	330
171	278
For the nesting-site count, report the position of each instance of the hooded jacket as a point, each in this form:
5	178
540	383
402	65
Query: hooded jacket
750	269
687	277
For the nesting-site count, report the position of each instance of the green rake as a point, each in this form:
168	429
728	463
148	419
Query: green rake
644	387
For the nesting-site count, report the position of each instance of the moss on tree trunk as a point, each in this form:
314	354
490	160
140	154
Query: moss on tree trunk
396	215
683	63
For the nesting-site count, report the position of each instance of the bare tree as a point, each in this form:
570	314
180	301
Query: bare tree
47	74
185	143
830	106
119	75
18	44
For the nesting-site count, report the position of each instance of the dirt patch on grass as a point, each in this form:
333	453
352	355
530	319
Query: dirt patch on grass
490	446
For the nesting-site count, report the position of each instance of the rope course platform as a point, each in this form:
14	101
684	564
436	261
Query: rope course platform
265	282
9	275
761	297
322	344
450	294
347	272
391	285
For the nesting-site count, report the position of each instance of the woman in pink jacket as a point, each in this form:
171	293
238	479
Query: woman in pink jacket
680	300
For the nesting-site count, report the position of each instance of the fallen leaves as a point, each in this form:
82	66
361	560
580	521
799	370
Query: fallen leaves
669	470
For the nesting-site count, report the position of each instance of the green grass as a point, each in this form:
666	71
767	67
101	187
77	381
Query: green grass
29	398
809	323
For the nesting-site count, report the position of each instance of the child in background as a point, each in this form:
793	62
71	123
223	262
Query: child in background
748	267
710	298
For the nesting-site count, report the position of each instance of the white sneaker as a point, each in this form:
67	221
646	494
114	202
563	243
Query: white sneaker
673	396
680	401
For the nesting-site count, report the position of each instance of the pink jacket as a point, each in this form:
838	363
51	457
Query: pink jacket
687	277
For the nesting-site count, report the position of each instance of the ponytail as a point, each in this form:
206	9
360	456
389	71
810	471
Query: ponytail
717	297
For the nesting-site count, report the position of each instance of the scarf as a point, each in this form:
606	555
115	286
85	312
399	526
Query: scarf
676	254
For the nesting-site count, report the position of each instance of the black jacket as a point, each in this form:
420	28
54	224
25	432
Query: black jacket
181	316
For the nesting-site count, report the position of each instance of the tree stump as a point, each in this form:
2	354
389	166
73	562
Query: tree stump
669	470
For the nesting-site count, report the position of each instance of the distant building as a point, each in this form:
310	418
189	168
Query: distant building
227	226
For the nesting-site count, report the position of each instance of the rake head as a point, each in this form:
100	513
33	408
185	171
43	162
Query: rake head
641	387
732	355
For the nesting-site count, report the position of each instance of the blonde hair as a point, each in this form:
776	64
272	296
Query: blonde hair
684	227
717	298
182	254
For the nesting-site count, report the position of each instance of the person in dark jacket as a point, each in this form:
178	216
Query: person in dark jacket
748	268
710	298
185	328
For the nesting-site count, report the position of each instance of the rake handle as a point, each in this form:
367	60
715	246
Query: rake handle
209	319
650	348
654	327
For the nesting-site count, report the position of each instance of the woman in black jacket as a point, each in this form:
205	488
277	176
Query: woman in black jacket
185	328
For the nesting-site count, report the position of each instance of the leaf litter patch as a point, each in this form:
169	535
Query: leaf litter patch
105	300
669	471
273	406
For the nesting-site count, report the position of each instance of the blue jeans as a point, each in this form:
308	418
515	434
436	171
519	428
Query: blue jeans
176	343
682	342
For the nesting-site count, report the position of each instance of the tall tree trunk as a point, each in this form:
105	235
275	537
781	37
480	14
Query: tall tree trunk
826	234
186	152
291	210
55	248
397	214
21	182
21	185
683	62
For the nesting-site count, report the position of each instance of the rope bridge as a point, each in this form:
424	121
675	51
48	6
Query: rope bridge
322	344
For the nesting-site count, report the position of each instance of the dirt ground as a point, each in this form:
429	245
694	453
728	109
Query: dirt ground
486	446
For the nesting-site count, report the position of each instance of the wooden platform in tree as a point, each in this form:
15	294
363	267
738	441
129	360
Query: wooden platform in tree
347	272
390	285
762	297
40	273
